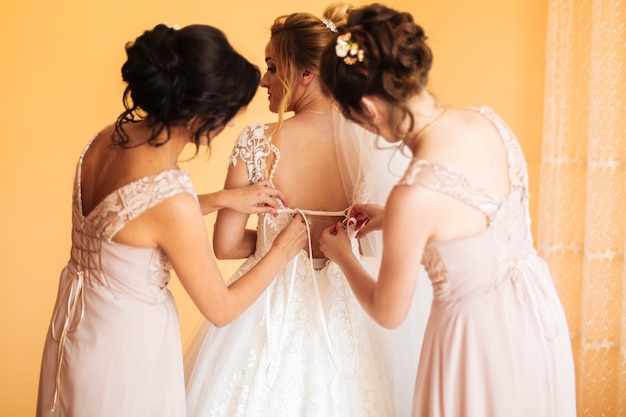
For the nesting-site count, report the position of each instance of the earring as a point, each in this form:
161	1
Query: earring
376	121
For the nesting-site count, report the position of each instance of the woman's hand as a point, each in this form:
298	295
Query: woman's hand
335	244
292	238
251	199
369	217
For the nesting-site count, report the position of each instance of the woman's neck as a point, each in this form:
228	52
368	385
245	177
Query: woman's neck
424	108
170	148
311	99
426	112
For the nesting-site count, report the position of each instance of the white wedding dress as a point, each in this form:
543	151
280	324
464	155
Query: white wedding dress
305	348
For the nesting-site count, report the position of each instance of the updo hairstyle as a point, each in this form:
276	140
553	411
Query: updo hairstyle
298	40
173	75
395	64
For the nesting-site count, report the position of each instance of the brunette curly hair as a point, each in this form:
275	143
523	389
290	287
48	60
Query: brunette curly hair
174	75
395	64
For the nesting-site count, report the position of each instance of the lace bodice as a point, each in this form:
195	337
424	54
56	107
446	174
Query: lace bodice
507	237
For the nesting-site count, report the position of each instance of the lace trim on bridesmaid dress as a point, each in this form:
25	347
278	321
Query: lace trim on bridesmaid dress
133	199
452	183
436	269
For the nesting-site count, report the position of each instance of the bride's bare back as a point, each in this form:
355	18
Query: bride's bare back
308	172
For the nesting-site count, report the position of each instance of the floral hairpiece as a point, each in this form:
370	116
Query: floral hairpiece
348	49
329	24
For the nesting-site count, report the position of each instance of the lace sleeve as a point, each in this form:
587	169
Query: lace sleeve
252	149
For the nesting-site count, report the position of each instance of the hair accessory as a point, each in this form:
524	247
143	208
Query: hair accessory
175	26
348	49
329	24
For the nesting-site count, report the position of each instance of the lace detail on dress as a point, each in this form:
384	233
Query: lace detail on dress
436	270
252	148
347	375
159	270
452	183
133	199
346	379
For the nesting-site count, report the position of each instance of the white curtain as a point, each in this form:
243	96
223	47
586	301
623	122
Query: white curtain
582	199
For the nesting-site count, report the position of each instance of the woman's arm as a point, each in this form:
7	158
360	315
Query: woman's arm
250	199
231	238
408	223
179	229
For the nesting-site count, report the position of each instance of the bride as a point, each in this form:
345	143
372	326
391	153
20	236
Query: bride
305	347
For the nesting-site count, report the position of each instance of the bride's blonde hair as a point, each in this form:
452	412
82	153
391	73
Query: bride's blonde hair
297	41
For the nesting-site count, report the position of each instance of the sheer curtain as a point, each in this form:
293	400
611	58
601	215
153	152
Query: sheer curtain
582	199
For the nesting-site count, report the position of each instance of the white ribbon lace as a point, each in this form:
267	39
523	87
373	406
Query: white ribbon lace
274	362
75	300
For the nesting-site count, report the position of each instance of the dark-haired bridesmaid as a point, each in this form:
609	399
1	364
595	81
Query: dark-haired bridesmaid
113	347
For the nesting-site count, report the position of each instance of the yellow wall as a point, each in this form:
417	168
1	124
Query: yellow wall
60	83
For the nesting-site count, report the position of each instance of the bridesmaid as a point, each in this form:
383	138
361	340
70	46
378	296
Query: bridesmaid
496	343
113	347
